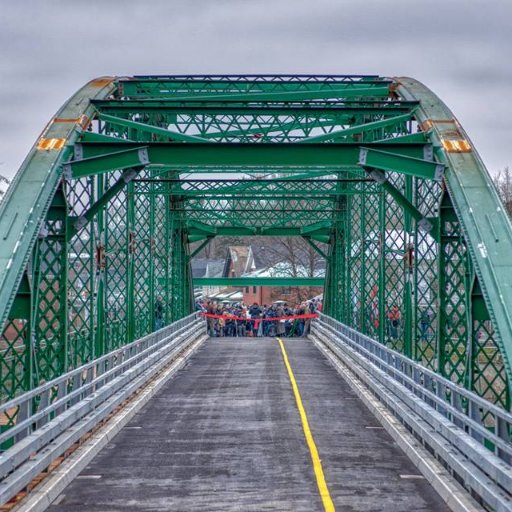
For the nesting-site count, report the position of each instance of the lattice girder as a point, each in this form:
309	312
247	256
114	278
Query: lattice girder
132	171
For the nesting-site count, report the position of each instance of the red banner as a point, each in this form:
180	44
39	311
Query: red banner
258	320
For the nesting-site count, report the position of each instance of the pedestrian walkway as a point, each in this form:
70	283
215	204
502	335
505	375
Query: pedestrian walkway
226	435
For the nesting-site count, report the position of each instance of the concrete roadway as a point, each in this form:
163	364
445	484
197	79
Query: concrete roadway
225	435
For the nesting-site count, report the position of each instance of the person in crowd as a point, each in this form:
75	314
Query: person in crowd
236	320
394	322
424	324
210	322
280	327
255	314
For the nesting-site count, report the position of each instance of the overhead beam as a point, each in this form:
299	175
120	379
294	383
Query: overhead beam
125	159
385	161
414	138
170	106
275	127
236	155
258	281
252	231
356	129
147	128
350	90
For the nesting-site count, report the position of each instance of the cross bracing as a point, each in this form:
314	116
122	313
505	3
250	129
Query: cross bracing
130	172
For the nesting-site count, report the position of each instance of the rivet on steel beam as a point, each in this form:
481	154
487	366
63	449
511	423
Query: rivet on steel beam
143	156
378	176
128	175
78	151
363	153
428	152
66	172
439	172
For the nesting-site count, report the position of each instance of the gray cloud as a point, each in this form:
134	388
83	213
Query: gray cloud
458	48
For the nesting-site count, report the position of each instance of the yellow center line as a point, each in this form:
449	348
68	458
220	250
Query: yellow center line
317	465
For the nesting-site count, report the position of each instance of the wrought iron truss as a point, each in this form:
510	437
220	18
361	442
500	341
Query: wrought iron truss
99	220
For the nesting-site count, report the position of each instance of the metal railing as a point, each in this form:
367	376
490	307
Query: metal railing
55	415
471	436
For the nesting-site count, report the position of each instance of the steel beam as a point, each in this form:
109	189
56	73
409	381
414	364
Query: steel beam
423	223
258	281
358	129
315	247
147	128
348	91
128	158
77	223
171	106
384	161
246	155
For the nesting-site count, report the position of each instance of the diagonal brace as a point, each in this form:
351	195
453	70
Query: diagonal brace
78	223
147	128
359	128
423	223
130	158
200	247
315	247
385	161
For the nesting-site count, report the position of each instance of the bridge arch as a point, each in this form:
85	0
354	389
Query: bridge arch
100	217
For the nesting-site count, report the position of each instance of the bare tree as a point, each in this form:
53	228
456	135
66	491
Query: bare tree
6	181
503	184
297	259
300	259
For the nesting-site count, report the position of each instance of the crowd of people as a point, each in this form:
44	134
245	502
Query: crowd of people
241	320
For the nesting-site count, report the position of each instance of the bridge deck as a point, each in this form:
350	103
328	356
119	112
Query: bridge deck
226	435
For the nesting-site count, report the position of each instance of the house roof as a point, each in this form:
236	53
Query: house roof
214	268
285	269
239	260
204	267
199	266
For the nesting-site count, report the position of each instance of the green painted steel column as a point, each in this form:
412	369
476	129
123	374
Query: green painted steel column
99	346
382	268
408	334
153	256
130	271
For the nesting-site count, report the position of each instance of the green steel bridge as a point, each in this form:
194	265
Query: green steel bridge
134	176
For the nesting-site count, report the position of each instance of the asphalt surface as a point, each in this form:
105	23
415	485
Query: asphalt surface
225	435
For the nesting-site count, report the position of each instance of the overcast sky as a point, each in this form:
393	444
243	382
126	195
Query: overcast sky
461	49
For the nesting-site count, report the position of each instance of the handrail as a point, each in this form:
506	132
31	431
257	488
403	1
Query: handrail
471	435
51	417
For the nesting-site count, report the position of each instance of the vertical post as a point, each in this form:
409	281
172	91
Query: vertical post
348	295
408	272
168	257
152	257
382	268
50	283
130	274
99	346
446	215
336	271
362	288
